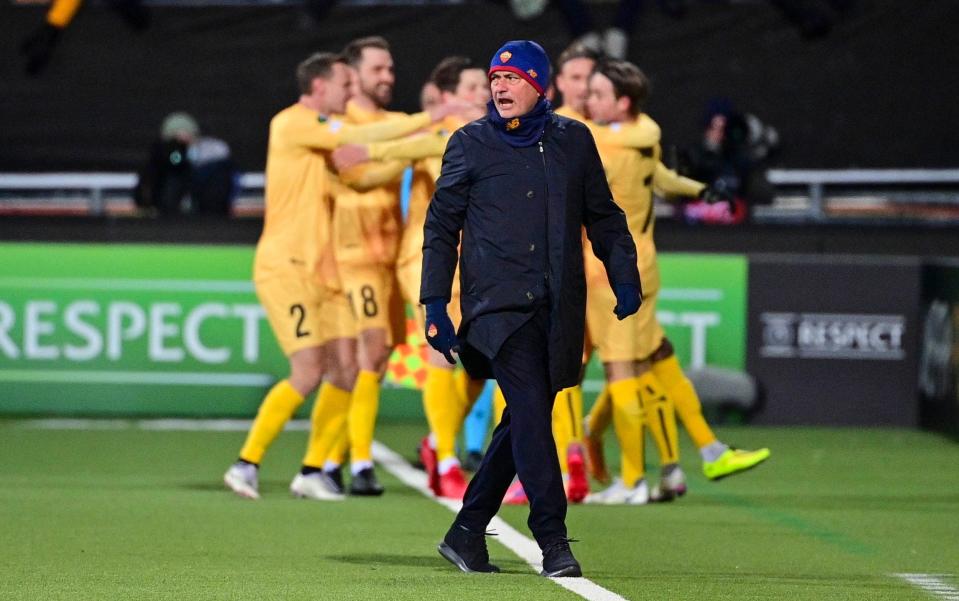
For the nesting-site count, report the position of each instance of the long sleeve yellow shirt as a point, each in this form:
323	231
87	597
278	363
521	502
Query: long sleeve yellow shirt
297	222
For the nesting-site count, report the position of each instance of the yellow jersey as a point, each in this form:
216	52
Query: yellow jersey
367	220
427	150
631	155
566	111
296	236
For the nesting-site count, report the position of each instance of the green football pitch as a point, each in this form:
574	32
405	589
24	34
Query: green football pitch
120	512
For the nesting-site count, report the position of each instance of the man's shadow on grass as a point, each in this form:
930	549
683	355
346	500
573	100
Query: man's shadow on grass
272	487
421	560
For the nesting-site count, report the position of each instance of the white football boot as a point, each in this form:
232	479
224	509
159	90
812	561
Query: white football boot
242	479
317	486
619	494
669	487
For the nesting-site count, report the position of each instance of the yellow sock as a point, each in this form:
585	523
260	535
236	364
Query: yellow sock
660	417
363	409
567	421
276	409
499	405
684	396
327	423
443	410
62	12
337	453
628	422
561	430
468	390
438	382
600	414
576	399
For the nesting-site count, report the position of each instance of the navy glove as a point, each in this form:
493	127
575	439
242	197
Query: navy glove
440	333
715	192
628	299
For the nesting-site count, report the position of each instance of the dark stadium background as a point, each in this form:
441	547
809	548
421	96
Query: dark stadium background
879	91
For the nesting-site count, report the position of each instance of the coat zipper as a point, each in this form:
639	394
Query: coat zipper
549	267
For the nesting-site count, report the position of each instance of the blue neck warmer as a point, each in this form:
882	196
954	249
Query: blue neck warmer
521	131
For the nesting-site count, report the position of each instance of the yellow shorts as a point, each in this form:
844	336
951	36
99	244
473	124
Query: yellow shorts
303	313
373	295
409	276
635	338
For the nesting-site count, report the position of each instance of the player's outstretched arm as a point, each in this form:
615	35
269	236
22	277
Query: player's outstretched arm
327	133
367	176
410	148
669	183
640	135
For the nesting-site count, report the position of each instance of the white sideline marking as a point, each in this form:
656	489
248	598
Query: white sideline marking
509	537
523	546
932	584
168	425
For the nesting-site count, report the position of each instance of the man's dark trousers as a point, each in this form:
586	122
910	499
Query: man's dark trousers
523	442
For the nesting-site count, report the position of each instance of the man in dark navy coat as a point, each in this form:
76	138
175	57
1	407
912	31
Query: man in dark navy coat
520	184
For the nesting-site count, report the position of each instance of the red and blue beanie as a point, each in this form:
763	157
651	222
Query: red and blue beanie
526	59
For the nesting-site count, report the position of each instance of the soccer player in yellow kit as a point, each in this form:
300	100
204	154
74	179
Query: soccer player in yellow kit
294	272
644	376
366	232
447	396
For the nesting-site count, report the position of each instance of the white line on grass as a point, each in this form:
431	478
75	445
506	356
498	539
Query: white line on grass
523	546
170	425
509	537
932	584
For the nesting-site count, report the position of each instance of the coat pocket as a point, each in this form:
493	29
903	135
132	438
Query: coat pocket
490	296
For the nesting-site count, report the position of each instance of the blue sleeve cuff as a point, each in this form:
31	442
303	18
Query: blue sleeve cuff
435	304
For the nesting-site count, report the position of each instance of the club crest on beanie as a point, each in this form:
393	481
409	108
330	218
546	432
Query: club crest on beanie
526	59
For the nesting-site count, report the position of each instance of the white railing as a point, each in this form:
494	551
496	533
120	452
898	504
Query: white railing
815	181
92	193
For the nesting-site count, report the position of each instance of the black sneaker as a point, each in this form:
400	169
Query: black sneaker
365	484
466	550
558	560
336	478
472	461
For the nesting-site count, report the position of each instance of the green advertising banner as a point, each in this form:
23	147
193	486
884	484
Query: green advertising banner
131	329
702	307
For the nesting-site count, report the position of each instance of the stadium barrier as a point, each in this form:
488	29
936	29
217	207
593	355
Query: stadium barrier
138	329
834	340
856	195
802	195
939	351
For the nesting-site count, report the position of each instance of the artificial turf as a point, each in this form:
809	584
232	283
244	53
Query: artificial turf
134	514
